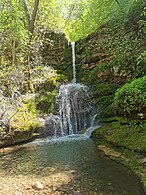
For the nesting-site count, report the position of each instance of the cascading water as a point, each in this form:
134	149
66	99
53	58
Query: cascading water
73	61
75	108
75	111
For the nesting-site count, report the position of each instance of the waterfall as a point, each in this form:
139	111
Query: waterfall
75	113
75	108
73	61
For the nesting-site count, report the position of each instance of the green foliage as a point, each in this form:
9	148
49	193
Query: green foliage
12	24
45	77
18	114
124	47
25	118
131	97
29	103
142	57
46	103
20	49
84	17
142	22
101	67
104	89
46	81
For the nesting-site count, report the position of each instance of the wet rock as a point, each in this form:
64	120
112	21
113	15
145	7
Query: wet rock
38	186
18	136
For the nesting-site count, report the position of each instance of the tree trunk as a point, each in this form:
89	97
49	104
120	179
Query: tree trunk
33	18
30	26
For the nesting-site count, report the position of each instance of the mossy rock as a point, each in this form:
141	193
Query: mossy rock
104	89
106	112
16	137
132	138
120	119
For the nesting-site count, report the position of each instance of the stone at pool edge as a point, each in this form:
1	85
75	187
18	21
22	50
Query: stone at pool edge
37	186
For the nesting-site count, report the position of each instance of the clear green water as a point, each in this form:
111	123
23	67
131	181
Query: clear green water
92	172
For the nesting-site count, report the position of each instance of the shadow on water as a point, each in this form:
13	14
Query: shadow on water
89	171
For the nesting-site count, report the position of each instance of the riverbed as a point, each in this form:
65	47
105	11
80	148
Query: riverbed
72	166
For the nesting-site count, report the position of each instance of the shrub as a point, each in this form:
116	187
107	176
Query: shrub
24	120
131	97
46	102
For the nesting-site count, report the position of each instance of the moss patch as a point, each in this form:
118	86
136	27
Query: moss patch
133	138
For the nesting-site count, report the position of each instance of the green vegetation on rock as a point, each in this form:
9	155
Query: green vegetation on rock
124	142
131	97
126	136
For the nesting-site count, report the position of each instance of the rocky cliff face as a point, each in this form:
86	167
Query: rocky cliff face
106	60
54	48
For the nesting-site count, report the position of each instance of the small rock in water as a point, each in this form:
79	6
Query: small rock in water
38	186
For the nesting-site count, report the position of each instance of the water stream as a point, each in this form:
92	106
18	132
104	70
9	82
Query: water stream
73	61
70	160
